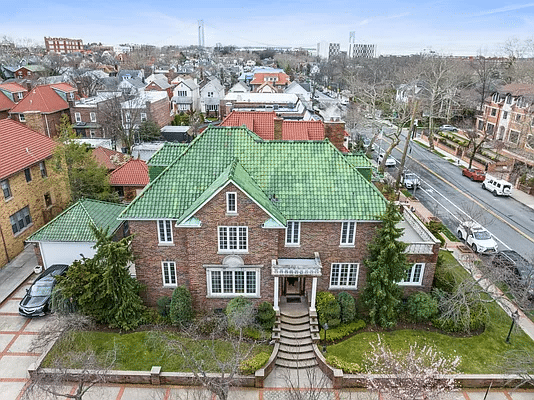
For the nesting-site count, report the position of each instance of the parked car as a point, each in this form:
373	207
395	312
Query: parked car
476	236
410	180
474	174
390	161
521	268
499	187
449	128
36	302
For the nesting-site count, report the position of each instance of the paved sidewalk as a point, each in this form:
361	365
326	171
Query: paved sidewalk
16	271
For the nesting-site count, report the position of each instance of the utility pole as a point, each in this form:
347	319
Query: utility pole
406	145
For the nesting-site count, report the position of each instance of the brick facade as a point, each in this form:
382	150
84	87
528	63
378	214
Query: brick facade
45	124
29	194
160	112
195	248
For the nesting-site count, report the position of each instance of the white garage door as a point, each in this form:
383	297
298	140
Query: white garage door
64	252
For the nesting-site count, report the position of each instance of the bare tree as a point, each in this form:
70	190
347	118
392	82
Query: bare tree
69	367
518	362
418	373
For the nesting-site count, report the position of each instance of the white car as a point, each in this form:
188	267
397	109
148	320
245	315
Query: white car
476	236
499	187
390	161
410	180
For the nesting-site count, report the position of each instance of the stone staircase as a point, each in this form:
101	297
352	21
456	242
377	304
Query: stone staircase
296	330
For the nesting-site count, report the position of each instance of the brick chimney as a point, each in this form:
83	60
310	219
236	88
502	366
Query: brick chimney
334	130
278	121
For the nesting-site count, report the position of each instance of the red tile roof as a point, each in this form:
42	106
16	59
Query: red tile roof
13	87
43	99
259	122
5	102
259	78
21	147
133	173
103	157
302	130
64	87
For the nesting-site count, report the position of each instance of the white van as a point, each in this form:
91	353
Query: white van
499	187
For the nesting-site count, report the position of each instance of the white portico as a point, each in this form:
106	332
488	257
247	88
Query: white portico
289	277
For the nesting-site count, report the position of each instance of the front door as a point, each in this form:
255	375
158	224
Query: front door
294	286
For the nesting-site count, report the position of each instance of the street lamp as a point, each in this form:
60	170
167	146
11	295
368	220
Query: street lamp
514	316
325	327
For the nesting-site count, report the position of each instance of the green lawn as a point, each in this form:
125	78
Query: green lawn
478	353
137	352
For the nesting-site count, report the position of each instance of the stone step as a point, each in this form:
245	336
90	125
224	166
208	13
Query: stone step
294	313
295	334
295	320
296	356
295	342
294	328
315	336
300	348
295	364
276	336
314	329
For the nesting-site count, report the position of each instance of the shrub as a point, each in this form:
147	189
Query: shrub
347	367
327	307
181	307
444	278
421	307
164	306
240	313
348	307
253	364
266	315
343	331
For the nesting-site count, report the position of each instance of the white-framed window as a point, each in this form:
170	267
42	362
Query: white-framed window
165	231
168	272
127	117
233	239
71	96
414	276
42	168
293	233
210	94
77	117
505	115
22	118
20	95
92	116
181	93
493	112
6	189
231	282
344	275
212	107
92	133
231	202
143	117
513	137
348	232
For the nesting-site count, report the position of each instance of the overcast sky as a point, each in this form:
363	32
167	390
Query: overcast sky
466	27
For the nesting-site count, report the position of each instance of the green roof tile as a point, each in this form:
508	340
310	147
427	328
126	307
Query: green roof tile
167	154
311	180
73	224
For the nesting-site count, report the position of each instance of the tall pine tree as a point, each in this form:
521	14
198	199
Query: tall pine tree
386	266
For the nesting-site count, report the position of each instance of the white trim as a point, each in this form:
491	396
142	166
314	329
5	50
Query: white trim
291	233
168	265
166	230
229	202
220	271
411	271
238	238
349	241
350	269
77	117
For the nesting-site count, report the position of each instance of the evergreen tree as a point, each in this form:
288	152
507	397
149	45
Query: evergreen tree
386	266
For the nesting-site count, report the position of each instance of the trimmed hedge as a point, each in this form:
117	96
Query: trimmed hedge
421	307
266	315
347	367
181	307
342	331
348	307
253	364
328	309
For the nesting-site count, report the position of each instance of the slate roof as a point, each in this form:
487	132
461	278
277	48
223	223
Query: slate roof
132	173
43	99
74	224
310	180
21	147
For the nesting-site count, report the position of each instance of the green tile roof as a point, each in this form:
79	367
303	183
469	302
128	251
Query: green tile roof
311	180
73	224
358	160
167	154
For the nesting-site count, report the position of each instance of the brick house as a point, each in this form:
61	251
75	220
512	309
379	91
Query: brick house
31	193
146	106
129	179
235	215
42	108
10	94
32	72
89	114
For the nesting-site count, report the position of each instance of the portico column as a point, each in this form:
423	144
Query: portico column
314	292
276	293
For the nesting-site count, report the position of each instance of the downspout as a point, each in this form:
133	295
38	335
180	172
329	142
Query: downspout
4	243
47	128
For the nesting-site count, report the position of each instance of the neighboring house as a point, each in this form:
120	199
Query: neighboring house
69	236
32	193
270	127
186	96
508	116
300	89
43	107
31	72
234	215
277	78
129	179
160	84
152	105
108	158
211	94
239	87
11	93
410	91
287	105
89	114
